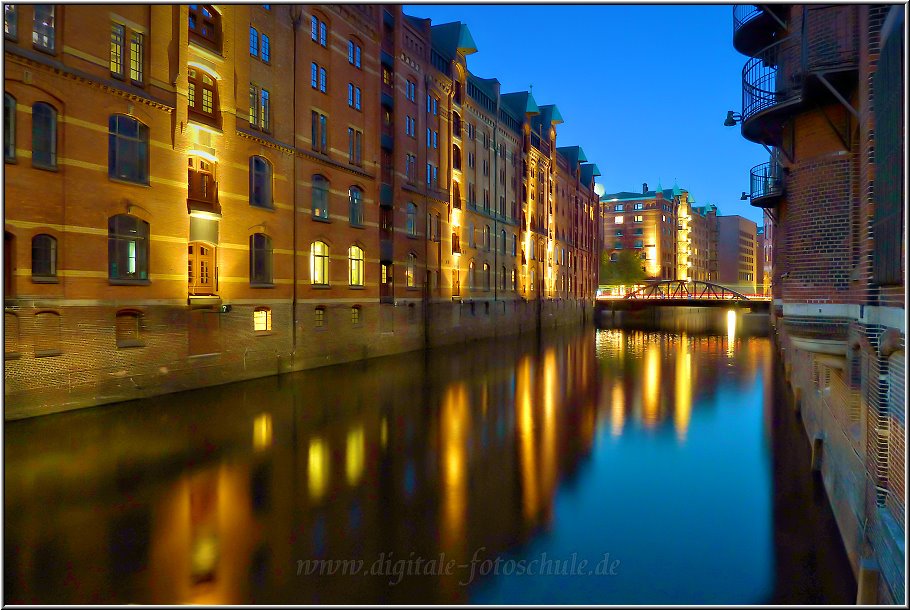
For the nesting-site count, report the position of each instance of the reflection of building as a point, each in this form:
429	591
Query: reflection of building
215	207
763	238
823	88
737	254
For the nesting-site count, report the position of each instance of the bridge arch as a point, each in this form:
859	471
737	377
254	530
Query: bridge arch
681	289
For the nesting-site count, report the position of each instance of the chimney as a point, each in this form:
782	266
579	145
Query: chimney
644	188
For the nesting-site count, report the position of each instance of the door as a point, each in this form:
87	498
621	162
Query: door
201	268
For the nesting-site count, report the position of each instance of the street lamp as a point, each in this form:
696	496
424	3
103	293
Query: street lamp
732	118
744	196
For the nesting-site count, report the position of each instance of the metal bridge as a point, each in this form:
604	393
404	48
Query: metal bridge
680	293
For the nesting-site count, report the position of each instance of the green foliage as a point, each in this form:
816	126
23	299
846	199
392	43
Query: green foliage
625	271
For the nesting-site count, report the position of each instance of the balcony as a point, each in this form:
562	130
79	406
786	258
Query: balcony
202	194
385	194
812	65
456	243
766	184
755	27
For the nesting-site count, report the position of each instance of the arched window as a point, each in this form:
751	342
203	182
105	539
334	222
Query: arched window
411	220
411	270
502	278
456	157
205	25
486	276
355	198
202	96
355	266
44	256
260	259
260	182
127	248
319	263
486	237
9	127
262	319
613	257
456	125
44	135
320	197
354	52
128	329
128	149
502	240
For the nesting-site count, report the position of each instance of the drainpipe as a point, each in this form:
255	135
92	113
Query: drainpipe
296	18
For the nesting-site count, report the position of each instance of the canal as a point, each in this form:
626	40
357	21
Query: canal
591	466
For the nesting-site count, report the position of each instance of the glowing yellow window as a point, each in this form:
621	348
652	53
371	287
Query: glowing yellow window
262	319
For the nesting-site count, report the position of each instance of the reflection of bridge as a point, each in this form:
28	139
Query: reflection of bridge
680	293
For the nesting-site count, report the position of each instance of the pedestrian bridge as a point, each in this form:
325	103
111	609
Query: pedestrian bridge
680	293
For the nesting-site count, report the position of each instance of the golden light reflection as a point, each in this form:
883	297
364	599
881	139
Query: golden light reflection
731	331
682	413
525	422
618	409
317	468
652	385
262	431
354	455
455	425
384	432
548	455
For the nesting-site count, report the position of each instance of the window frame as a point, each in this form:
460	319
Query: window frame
48	256
319	263
266	322
261	256
355	266
117	143
196	88
260	196
47	31
124	229
50	136
319	193
197	35
9	127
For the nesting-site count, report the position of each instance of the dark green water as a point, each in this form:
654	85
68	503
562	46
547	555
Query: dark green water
669	463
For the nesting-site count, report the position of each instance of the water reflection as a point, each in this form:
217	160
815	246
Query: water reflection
643	445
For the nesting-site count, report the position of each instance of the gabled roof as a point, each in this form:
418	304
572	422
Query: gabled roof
550	113
486	85
453	38
588	171
573	154
521	103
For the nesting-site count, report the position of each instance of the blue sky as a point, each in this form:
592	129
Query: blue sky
644	89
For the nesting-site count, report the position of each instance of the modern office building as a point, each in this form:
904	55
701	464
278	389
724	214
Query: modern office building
823	89
196	194
737	253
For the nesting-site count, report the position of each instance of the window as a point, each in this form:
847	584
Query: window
410	90
10	21
262	319
514	245
322	79
260	107
254	42
410	167
118	40
43	30
202	94
486	238
205	26
486	277
355	315
639	218
318	77
411	270
353	96
320	197
618	232
44	136
639	231
319	263
619	220
128	145
136	57
319	317
355	146
617	245
411	222
127	329
502	239
319	136
260	259
471	235
354	53
639	206
44	256
355	266
260	182
355	197
127	248
9	127
514	280
387	76
410	126
639	243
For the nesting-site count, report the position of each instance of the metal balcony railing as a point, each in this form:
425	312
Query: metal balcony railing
766	182
773	77
743	14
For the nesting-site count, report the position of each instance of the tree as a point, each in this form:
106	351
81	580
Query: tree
625	270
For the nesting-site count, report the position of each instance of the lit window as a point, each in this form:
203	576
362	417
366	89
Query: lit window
136	57
262	319
639	218
43	30
618	220
128	246
118	33
411	270
355	266
10	21
319	263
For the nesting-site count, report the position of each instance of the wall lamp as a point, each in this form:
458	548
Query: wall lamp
744	196
732	118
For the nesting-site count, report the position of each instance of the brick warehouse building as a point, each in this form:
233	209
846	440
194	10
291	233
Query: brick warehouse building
822	89
281	189
738	254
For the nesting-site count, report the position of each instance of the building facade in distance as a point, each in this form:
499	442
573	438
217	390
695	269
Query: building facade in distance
737	254
823	89
231	191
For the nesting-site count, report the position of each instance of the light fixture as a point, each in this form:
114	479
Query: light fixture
743	197
732	118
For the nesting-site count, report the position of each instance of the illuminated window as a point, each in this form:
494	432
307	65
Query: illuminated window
319	263
136	56
411	270
411	222
10	21
262	319
44	136
202	94
618	220
118	37
9	127
43	29
486	276
204	24
355	266
260	259
44	256
128	247
639	219
320	201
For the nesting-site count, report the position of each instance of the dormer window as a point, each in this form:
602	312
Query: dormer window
205	26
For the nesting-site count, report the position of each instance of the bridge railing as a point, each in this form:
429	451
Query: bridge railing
680	289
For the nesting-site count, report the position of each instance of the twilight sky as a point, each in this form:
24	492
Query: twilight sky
644	89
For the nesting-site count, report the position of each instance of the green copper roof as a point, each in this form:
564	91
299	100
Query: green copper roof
551	112
588	171
522	102
452	38
572	154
